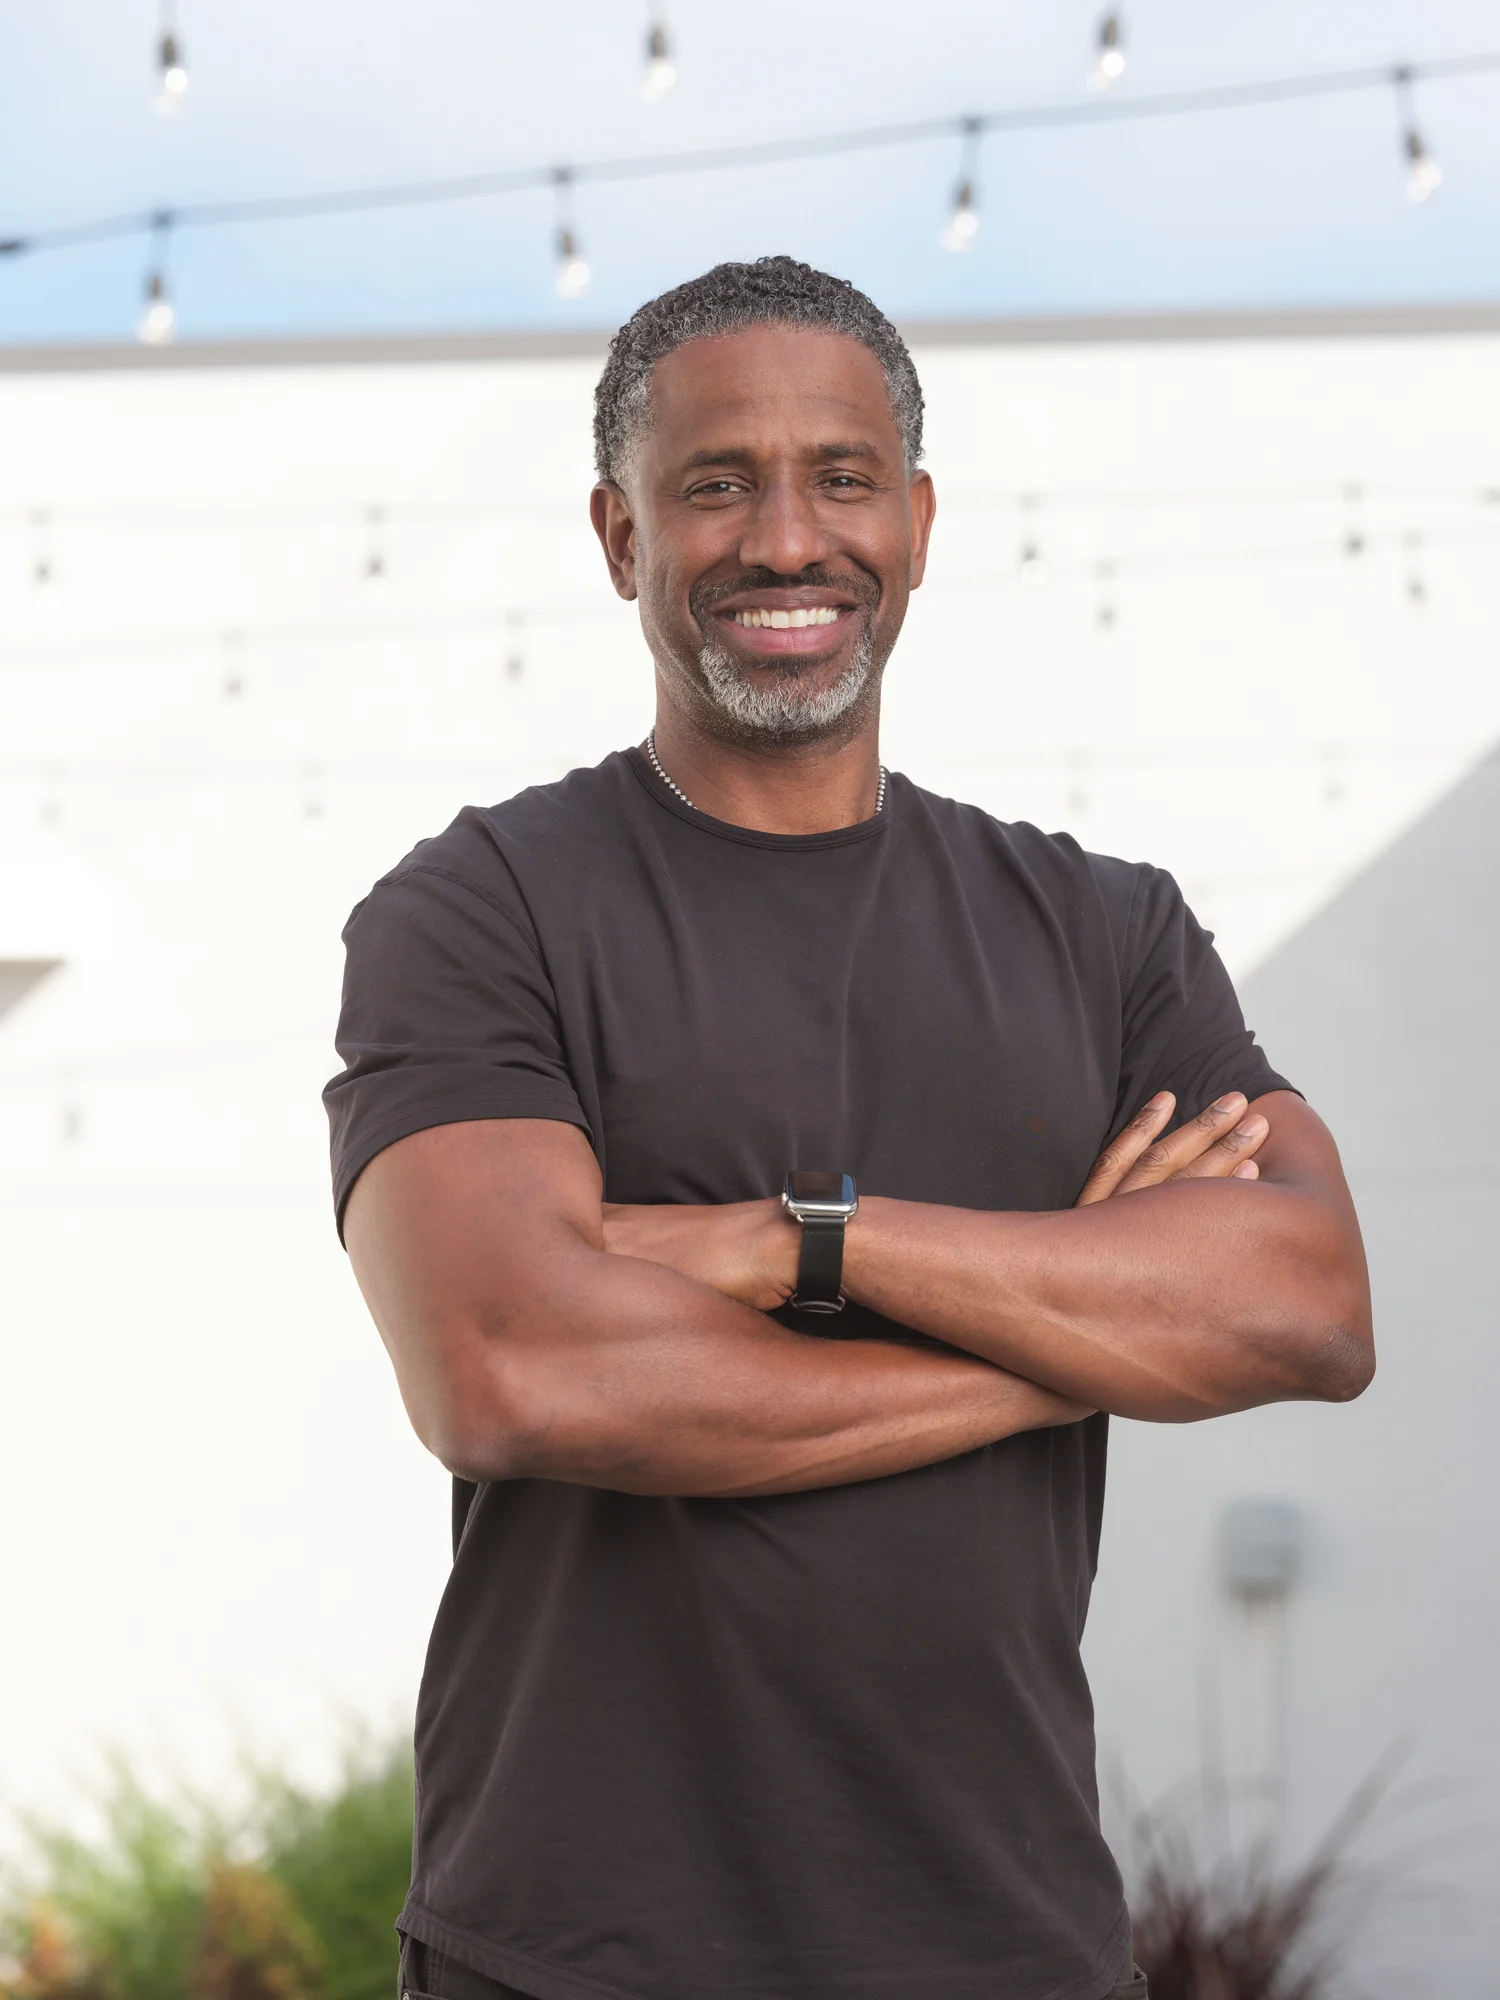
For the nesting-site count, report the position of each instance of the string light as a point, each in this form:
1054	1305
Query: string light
312	798
376	575
171	66
1109	62
233	684
1035	563
1031	564
963	224
1107	610
1423	174
661	71
1354	534
573	273
43	572
1329	495
515	657
1078	801
158	323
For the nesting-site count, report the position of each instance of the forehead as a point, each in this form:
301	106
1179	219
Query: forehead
767	385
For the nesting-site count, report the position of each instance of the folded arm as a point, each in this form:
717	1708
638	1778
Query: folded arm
1213	1289
1187	1300
524	1349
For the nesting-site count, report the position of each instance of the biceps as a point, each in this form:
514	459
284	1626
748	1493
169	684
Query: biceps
1300	1156
449	1220
1299	1150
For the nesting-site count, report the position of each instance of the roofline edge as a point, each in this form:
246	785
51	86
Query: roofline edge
566	344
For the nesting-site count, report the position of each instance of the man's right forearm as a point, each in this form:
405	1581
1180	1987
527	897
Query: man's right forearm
648	1383
675	1395
525	1350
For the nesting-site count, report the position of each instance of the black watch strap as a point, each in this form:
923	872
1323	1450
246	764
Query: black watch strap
820	1270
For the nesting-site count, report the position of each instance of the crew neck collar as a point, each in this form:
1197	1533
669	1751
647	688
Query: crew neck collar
749	836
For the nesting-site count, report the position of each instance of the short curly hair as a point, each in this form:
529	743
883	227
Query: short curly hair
771	291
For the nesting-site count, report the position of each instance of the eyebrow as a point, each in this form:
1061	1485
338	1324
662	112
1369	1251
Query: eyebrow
737	455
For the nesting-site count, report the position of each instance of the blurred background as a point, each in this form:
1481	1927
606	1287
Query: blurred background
300	313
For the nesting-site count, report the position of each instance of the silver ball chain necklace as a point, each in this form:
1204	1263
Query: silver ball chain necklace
656	767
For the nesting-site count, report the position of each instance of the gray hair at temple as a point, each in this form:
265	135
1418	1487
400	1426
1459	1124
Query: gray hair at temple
773	291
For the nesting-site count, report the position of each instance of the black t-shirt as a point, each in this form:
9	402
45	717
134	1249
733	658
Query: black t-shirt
824	1746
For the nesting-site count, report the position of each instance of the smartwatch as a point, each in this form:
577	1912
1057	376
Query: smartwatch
823	1204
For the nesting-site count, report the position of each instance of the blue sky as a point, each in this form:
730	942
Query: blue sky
1299	204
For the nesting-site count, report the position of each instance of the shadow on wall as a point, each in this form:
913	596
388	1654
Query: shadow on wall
18	976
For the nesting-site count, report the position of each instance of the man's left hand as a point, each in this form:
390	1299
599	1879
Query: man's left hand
747	1250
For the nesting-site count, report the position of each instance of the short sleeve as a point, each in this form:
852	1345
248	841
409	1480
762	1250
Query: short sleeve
1181	1028
448	1015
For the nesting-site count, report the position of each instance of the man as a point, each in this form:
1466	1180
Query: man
757	1677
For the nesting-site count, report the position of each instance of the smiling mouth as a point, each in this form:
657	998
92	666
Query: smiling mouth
787	621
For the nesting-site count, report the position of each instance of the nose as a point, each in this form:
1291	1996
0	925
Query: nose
782	531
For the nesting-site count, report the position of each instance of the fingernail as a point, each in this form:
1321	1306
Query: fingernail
1253	1127
1227	1103
1247	1170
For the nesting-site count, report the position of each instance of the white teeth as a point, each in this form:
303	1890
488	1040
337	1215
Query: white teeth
782	621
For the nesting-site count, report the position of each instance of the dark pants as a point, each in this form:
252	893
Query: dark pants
430	1974
427	1974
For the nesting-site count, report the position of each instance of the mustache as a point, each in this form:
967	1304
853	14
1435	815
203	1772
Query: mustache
705	598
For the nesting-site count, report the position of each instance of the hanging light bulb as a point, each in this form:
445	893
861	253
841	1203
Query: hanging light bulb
515	656
1355	540
158	322
1423	174
171	67
1109	63
1106	608
375	572
962	225
43	570
1031	564
661	71
573	273
233	684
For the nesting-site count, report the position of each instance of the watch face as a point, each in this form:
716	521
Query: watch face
805	1189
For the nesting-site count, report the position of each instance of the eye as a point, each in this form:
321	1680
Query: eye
717	489
843	482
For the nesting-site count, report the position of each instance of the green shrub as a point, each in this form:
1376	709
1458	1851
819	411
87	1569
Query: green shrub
293	1898
346	1859
119	1916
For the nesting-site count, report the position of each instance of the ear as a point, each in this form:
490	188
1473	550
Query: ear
609	510
923	503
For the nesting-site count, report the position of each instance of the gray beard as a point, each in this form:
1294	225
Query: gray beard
787	711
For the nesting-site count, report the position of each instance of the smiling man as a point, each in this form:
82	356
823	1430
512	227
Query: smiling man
758	1676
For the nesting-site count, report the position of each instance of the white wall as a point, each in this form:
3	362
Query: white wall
1383	1010
217	1511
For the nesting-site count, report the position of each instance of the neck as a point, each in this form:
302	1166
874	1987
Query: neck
773	787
